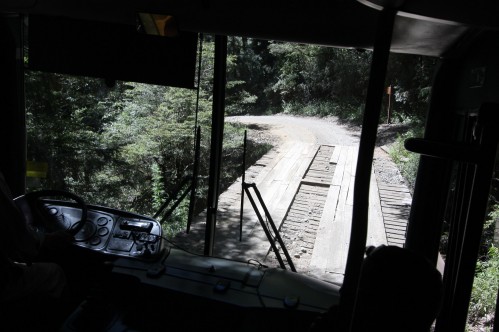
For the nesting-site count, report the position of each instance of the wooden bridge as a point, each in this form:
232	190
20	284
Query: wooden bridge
308	190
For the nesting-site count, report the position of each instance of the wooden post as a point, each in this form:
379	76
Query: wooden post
389	93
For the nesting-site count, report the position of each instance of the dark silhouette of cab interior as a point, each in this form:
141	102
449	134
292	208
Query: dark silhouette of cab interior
138	282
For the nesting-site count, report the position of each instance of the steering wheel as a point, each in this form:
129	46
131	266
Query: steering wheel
31	207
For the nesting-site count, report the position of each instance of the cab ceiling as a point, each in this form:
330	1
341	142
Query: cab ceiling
339	23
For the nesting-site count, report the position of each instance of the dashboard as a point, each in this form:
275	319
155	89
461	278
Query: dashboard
161	280
141	253
108	231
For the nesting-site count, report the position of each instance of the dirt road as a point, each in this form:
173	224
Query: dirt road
303	129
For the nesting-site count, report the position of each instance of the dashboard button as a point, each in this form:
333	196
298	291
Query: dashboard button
102	221
103	231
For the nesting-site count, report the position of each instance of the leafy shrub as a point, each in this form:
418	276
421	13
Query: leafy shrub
406	161
484	293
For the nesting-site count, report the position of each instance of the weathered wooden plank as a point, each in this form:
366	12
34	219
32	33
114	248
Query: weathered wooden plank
406	199
341	226
351	161
323	243
396	227
289	165
340	167
394	193
354	150
396	239
319	193
395	197
318	181
275	156
393	227
397	236
395	204
389	222
388	210
336	155
395	217
400	187
396	242
305	193
376	228
394	187
318	174
396	212
395	231
394	222
307	210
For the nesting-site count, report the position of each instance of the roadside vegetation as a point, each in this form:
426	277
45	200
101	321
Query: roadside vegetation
129	145
485	287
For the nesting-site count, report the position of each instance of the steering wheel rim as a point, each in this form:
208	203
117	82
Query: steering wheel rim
31	197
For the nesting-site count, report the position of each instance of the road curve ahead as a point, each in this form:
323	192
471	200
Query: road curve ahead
303	129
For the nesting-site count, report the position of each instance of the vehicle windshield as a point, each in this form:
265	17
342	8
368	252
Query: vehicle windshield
132	146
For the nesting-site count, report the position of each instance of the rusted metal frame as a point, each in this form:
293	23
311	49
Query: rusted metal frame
246	187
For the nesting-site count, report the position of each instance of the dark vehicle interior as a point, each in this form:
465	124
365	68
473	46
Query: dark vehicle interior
126	276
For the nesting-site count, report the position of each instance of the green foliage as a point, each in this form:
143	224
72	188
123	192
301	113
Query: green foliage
250	72
158	192
178	221
407	162
489	227
485	286
410	77
319	80
268	77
